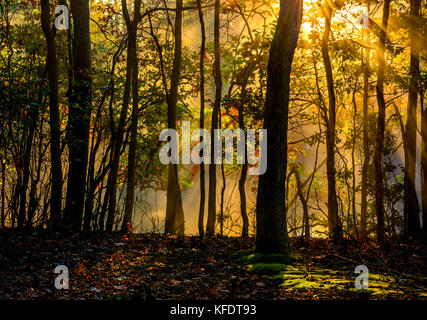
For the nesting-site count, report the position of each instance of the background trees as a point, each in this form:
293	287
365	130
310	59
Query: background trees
90	120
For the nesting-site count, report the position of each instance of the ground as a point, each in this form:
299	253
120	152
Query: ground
152	266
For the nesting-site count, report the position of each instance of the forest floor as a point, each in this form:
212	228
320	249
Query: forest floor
151	266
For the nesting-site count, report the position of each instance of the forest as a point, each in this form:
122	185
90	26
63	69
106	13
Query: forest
213	149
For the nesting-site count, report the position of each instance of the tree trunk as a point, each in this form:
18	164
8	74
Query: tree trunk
79	115
174	222
130	191
333	218
272	235
202	117
55	133
411	206
118	139
3	189
366	149
210	227
306	222
242	180
424	164
379	143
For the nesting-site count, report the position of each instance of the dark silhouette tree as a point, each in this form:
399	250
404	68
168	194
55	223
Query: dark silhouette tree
210	227
54	121
379	142
79	115
272	236
411	205
174	222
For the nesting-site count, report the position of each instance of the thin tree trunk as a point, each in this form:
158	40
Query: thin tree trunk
333	218
210	227
272	235
174	222
353	164
306	223
366	143
202	117
424	163
224	184
379	145
130	192
242	180
54	122
3	187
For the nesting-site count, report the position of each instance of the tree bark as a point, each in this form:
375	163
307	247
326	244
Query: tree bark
272	235
424	165
174	222
210	227
79	115
366	143
130	191
306	222
243	175
202	117
333	218
54	121
379	142
411	206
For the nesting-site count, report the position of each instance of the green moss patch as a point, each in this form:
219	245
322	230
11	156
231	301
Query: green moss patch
299	276
248	257
320	278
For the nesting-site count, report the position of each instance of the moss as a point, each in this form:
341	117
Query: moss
268	267
297	275
319	278
237	255
264	258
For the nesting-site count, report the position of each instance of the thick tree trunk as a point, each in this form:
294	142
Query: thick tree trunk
333	218
411	206
272	235
202	117
210	227
174	222
379	143
79	115
54	122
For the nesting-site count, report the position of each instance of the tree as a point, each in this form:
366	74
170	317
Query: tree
379	142
132	27
243	175
272	236
366	143
411	206
54	121
174	222
333	218
202	116
210	227
79	115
